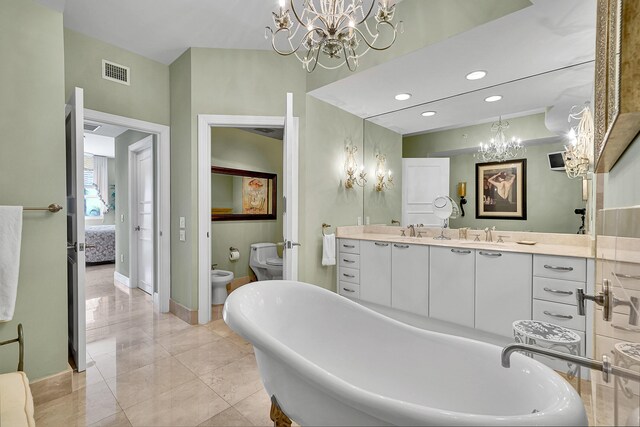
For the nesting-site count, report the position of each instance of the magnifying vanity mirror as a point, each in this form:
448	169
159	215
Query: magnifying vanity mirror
445	209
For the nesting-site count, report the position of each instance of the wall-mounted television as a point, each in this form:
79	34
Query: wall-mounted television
556	162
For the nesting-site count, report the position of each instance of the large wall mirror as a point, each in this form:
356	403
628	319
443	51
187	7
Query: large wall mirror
243	195
537	63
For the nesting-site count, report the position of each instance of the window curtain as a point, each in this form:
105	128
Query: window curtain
101	181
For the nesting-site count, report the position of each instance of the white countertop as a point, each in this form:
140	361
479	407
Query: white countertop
539	248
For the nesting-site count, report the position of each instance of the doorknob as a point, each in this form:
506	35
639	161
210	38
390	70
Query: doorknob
137	228
289	244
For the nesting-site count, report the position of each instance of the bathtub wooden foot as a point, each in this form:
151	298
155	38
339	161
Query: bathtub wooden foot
278	417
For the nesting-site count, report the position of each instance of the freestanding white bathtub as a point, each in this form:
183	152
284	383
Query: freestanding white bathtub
330	361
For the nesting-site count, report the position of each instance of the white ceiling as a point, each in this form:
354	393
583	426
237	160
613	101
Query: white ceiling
163	30
99	145
546	36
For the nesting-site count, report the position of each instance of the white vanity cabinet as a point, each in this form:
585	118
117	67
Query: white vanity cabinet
451	285
503	290
375	272
410	278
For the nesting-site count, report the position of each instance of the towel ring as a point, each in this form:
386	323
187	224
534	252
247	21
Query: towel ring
325	226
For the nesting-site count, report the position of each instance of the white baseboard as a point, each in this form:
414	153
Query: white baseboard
122	279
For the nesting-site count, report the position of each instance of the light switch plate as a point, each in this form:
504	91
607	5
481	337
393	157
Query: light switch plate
183	235
122	218
183	222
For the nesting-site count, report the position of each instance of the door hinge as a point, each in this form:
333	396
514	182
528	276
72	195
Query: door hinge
284	204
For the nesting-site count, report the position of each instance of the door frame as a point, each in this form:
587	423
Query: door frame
162	196
133	151
205	123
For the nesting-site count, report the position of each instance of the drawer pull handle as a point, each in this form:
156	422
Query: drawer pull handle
624	328
490	254
348	290
348	261
625	276
351	276
348	246
559	316
555	291
402	246
556	268
381	244
460	251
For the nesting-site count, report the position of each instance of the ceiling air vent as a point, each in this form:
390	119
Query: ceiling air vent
89	127
115	72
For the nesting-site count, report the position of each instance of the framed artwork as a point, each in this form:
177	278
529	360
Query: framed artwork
501	190
241	195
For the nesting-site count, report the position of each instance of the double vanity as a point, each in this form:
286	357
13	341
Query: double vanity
470	288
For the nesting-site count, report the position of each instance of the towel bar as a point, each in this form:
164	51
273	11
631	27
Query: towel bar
20	341
53	207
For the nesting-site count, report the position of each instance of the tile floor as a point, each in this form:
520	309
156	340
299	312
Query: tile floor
150	369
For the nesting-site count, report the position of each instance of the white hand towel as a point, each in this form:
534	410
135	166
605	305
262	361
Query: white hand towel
329	249
10	239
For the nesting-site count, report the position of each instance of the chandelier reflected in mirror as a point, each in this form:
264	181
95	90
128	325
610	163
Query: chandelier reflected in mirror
332	33
500	148
577	154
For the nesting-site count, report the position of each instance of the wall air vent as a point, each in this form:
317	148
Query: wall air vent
90	127
116	72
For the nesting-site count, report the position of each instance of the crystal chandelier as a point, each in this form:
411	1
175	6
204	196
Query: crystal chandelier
331	33
499	148
576	156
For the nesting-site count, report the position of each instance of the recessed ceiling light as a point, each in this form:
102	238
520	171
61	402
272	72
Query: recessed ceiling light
493	98
476	75
428	113
403	96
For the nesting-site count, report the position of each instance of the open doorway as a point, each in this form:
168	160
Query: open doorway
96	176
289	198
246	209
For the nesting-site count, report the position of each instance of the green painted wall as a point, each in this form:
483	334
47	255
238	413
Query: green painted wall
621	183
122	143
184	194
32	173
551	195
382	206
426	145
147	98
238	149
322	185
425	23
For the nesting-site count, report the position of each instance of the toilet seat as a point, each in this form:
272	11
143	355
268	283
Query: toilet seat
276	262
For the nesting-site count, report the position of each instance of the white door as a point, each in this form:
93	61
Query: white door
74	127
422	181
143	206
290	188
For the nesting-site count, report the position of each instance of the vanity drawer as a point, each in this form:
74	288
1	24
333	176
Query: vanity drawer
350	275
349	260
563	291
348	289
349	246
560	267
559	314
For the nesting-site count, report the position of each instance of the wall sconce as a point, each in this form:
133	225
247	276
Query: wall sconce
578	153
462	193
351	168
382	174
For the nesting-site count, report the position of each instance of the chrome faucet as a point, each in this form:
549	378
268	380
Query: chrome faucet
488	233
412	230
605	366
213	266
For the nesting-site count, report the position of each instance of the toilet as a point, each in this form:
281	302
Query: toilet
265	262
219	281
